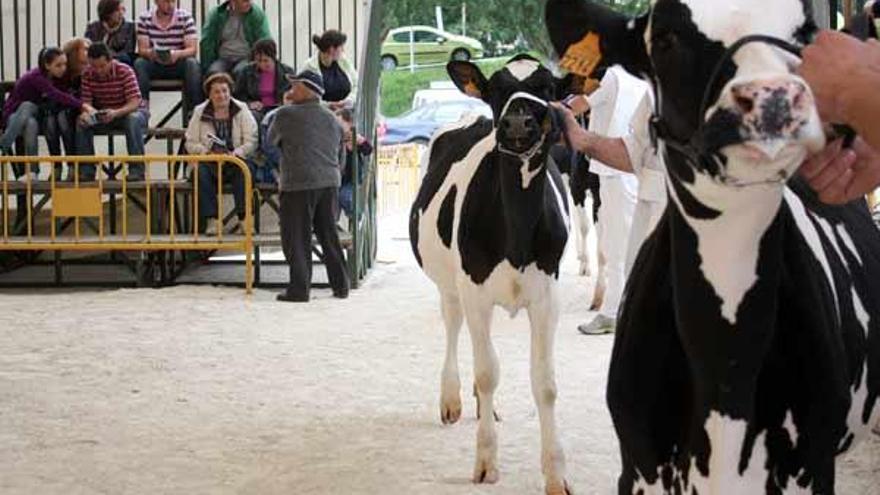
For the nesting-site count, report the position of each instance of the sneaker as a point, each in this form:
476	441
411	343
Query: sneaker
212	228
601	325
236	228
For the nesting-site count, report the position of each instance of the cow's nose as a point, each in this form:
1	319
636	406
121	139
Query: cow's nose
772	108
518	125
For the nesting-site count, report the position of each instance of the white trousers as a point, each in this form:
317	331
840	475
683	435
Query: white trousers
646	217
618	193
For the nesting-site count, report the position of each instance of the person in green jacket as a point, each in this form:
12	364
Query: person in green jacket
229	33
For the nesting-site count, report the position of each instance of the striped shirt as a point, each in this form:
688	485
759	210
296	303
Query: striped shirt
113	90
173	37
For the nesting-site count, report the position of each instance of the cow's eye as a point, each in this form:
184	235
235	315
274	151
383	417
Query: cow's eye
663	41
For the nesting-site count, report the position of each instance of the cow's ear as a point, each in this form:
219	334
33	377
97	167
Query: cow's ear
588	35
469	79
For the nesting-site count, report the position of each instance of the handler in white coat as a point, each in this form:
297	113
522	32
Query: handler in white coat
612	107
633	157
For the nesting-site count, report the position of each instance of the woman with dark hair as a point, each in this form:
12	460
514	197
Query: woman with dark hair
340	78
114	30
25	108
262	83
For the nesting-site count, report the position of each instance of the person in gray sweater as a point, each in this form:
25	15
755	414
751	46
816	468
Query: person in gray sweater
310	140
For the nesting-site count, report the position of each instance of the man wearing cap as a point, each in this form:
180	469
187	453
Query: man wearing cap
310	140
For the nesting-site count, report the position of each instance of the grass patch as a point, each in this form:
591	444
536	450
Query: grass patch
398	87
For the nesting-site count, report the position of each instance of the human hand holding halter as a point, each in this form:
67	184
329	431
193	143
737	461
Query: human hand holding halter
839	174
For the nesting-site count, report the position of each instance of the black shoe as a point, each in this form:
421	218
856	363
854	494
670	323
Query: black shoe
285	297
340	294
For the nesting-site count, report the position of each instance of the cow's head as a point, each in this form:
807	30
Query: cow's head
519	95
751	118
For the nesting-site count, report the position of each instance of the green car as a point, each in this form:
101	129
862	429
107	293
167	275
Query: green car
430	46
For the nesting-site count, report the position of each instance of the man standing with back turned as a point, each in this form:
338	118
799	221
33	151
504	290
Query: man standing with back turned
310	140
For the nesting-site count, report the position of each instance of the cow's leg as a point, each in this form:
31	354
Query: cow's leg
544	317
479	317
581	232
450	385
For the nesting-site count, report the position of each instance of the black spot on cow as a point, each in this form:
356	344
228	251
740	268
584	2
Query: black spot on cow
447	217
449	148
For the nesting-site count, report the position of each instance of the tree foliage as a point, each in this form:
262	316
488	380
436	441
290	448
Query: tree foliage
517	22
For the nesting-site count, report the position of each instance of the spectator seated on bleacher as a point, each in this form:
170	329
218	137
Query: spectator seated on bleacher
337	72
262	83
28	107
167	40
220	125
114	30
230	32
364	149
111	88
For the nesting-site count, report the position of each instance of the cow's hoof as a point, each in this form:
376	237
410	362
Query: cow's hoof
485	472
450	412
559	489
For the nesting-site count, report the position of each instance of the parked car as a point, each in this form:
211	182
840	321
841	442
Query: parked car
419	124
430	46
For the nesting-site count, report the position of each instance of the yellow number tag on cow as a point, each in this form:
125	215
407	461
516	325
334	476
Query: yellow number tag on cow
582	57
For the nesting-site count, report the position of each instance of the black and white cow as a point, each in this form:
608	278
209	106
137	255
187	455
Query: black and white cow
747	354
489	227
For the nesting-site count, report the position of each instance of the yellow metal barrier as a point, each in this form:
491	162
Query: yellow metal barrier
399	176
78	201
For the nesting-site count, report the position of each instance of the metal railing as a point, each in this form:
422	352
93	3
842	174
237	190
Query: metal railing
166	203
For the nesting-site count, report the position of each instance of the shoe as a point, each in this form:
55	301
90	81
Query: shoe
236	228
876	429
212	227
601	325
340	294
285	297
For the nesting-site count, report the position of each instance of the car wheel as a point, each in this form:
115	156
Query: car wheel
389	62
461	55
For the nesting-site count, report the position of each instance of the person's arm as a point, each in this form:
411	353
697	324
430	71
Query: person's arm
50	91
265	31
841	175
350	100
86	97
610	151
144	44
190	42
250	133
844	74
194	145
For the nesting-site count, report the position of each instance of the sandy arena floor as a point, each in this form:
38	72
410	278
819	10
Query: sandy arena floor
200	390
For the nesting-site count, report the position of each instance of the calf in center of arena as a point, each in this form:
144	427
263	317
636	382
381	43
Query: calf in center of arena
489	227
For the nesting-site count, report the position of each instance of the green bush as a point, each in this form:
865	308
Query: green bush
399	87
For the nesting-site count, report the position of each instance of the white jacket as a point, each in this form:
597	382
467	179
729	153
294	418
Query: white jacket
612	107
244	129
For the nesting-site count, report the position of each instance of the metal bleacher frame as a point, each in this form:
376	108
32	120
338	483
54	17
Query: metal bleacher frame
149	268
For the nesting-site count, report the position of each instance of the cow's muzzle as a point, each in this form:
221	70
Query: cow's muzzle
524	125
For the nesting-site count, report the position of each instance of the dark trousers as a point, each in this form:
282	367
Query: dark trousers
187	70
208	189
301	212
134	125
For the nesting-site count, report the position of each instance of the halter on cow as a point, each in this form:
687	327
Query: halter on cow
747	356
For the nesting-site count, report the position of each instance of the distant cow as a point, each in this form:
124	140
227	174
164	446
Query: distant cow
489	227
747	354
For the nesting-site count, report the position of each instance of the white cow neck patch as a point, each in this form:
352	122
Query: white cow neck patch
729	246
522	69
